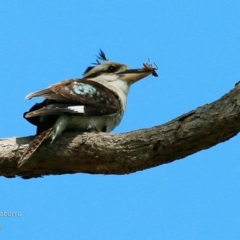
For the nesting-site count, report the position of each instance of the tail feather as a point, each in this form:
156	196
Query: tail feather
33	146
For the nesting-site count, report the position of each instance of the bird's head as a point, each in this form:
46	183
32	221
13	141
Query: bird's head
111	72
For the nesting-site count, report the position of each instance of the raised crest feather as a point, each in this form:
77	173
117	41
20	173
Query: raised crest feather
101	56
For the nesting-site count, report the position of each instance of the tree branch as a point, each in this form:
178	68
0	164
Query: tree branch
129	152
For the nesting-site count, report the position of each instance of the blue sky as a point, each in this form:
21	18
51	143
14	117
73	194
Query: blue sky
196	45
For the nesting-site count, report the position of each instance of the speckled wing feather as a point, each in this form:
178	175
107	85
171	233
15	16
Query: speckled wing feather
76	96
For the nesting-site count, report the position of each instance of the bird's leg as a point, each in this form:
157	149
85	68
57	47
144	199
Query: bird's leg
58	127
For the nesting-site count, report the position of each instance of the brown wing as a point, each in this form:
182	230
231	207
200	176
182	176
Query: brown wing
76	96
81	92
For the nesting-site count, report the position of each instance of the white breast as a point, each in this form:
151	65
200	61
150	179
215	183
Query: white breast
93	123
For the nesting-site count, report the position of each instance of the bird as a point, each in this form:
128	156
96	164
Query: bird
94	103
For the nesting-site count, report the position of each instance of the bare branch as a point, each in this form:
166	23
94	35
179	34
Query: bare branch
129	152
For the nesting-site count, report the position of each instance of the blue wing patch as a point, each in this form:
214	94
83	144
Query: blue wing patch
83	88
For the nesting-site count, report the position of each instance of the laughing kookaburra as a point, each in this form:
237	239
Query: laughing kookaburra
94	103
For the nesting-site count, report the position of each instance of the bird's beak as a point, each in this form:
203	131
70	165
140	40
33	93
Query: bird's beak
133	75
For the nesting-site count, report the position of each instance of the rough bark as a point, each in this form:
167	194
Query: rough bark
128	152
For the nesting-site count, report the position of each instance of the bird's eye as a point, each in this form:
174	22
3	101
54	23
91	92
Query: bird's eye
111	69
